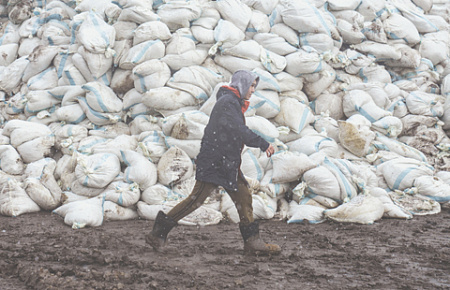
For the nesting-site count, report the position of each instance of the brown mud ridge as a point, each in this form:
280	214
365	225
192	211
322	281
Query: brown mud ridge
38	251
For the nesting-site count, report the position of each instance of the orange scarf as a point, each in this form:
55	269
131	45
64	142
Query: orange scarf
236	92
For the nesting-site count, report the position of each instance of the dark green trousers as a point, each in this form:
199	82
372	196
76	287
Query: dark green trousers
242	199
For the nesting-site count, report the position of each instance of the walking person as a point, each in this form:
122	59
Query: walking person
218	164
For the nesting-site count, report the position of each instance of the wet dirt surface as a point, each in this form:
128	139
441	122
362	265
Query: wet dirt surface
38	251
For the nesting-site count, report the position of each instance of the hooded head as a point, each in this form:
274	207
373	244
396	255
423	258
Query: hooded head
242	80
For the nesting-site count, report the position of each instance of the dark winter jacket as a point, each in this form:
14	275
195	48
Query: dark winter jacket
219	159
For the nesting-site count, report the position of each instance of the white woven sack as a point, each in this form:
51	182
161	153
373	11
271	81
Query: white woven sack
372	9
350	34
97	170
177	14
45	80
70	114
143	123
40	59
400	173
159	194
294	114
226	35
433	187
347	184
299	213
401	148
189	58
82	213
235	12
290	166
434	50
39	100
398	27
10	33
122	193
313	89
139	169
150	49
259	23
362	209
190	147
262	127
379	50
202	216
166	98
10	76
9	53
356	139
174	166
338	5
287	33
266	103
233	63
95	34
187	126
99	118
389	126
265	6
422	103
391	210
14	201
313	143
151	30
10	160
138	13
44	190
114	212
36	149
303	16
360	102
150	74
250	165
98	63
199	76
102	98
321	181
302	62
151	144
416	204
267	81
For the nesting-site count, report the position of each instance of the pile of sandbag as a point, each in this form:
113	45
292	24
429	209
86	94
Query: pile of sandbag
105	103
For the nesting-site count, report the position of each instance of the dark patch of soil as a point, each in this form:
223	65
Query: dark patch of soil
38	251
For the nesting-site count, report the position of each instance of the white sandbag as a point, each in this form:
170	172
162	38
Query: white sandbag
10	160
400	148
68	197
98	118
294	114
151	145
286	32
102	98
40	59
188	58
190	147
150	74
434	46
290	166
71	114
360	102
98	63
299	213
185	126
139	12
122	193
165	98
391	210
433	187
302	62
10	33
316	87
250	165
398	27
263	207
262	127
202	216
226	35
379	50
139	169
351	34
114	212
372	9
174	166
97	170
266	103
235	12
362	209
14	201
10	76
147	50
39	100
389	126
95	34
82	213
265	6
9	53
151	30
303	16
36	149
422	103
313	143
321	181
144	123
275	43
400	173
415	203
179	14
45	80
356	139
160	194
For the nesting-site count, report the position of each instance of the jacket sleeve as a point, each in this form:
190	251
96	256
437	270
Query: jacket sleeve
232	120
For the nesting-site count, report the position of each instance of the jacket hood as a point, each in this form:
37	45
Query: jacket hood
242	80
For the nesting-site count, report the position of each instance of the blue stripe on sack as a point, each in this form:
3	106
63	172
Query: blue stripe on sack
402	176
365	114
7	29
62	63
124	158
319	16
265	137
39	77
141	81
266	101
317	145
93	112
69	77
305	115
270	81
141	54
256	163
98	97
120	200
347	185
272	18
102	33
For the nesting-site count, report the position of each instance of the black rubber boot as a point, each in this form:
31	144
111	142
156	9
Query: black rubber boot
161	228
253	245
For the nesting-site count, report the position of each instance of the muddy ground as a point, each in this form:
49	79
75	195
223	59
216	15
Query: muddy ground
38	251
